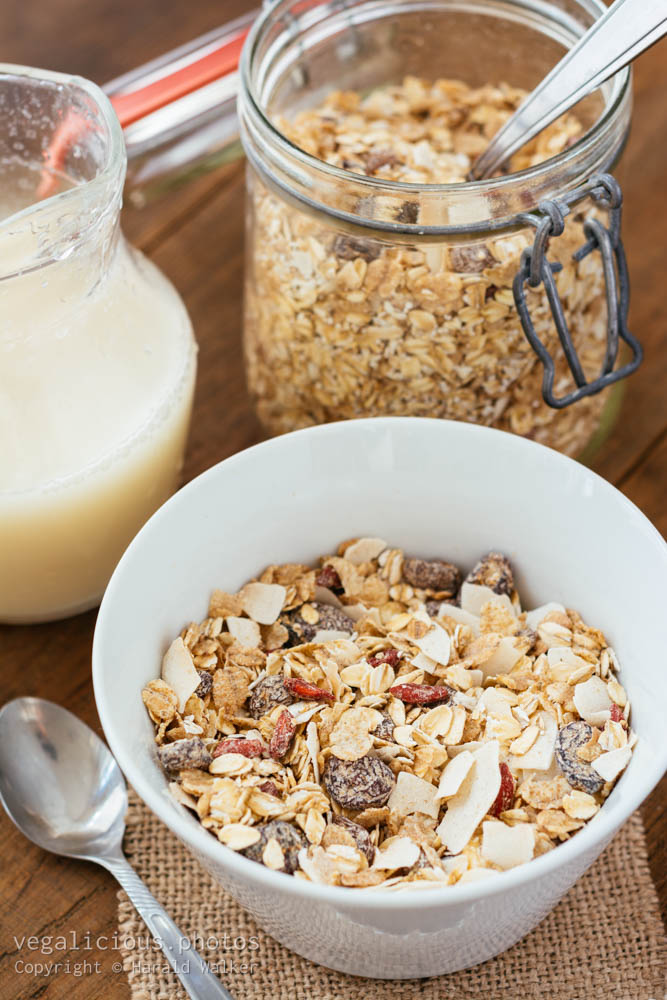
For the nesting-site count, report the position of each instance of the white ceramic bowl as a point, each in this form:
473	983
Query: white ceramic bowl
433	488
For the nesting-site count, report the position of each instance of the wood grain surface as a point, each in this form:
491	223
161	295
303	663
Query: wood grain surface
196	236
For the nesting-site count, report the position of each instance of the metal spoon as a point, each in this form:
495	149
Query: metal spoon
614	40
63	789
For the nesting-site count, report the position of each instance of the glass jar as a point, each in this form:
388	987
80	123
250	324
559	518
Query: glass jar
97	355
367	297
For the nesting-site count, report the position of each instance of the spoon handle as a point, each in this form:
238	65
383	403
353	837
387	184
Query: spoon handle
614	40
198	981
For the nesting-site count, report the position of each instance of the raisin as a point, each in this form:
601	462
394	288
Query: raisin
184	753
268	693
579	773
288	836
328	577
408	212
361	837
616	713
390	656
239	744
531	635
283	735
421	694
385	728
205	683
304	689
505	797
432	574
494	571
471	259
330	618
351	247
358	784
381	158
269	788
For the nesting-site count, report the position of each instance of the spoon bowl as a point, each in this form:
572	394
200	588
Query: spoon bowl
59	782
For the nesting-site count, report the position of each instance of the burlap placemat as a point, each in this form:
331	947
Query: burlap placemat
604	940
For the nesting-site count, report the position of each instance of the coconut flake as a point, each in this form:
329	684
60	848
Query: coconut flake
592	701
413	795
396	852
454	774
460	616
476	795
535	617
563	661
493	703
179	671
313	747
475	595
507	846
325	596
364	550
263	602
436	644
329	635
609	765
541	754
423	662
503	659
244	630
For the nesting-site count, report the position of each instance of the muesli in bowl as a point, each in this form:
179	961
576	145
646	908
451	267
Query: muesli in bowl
382	720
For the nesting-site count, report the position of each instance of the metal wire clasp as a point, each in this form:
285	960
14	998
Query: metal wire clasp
535	269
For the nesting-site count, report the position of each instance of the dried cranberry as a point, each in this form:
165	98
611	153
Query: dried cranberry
304	689
283	735
390	656
505	797
239	744
420	694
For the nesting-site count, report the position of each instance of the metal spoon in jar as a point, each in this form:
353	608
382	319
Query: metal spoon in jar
63	789
614	40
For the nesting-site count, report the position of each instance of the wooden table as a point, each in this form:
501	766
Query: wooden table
196	236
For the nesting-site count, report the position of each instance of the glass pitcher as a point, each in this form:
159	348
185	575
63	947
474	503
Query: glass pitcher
97	355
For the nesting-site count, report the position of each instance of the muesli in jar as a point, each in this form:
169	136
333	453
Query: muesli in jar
344	324
385	720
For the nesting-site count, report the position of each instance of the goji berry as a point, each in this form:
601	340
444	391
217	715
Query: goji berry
283	735
390	656
248	748
505	797
304	689
420	694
